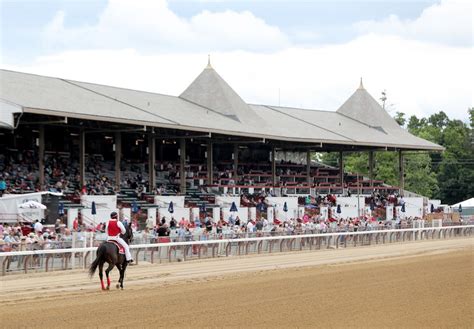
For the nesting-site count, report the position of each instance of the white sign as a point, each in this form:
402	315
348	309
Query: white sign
226	201
279	204
101	201
216	214
252	212
389	213
164	201
194	214
350	206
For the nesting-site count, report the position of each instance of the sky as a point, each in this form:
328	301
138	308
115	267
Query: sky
308	54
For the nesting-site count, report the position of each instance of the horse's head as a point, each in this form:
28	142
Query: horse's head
128	236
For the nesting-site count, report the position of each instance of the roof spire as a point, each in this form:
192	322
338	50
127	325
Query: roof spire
361	86
208	62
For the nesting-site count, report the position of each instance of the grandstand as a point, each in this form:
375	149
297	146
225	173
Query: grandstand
78	137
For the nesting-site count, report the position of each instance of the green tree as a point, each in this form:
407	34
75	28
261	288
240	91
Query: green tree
386	167
400	118
456	169
419	176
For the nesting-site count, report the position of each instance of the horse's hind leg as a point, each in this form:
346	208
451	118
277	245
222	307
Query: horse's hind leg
111	266
101	275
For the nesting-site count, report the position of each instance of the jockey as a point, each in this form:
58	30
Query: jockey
114	229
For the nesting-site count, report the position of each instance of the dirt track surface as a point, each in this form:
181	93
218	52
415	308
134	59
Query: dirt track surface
424	284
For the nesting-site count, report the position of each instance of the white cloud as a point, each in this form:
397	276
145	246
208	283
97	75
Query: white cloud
449	22
151	25
259	63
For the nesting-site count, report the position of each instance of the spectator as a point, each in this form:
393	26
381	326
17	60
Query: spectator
38	227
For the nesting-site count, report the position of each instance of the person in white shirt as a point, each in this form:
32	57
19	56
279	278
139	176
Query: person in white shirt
150	223
38	227
250	226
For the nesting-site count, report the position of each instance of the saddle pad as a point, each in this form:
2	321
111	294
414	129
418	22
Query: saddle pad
119	246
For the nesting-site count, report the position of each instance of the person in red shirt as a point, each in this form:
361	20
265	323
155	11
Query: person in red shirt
114	229
75	224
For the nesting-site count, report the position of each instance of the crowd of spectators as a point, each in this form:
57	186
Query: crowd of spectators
19	173
204	228
21	237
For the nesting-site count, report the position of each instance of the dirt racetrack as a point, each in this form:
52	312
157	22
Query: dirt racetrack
427	284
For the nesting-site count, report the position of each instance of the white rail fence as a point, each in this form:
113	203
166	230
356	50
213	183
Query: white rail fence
76	258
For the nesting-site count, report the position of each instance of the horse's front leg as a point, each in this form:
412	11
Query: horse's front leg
122	274
119	268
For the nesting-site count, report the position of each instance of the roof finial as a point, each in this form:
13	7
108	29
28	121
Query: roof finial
208	62
361	86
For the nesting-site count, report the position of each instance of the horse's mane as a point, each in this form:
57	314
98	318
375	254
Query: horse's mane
128	236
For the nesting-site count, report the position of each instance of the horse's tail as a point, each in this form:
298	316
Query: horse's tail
95	263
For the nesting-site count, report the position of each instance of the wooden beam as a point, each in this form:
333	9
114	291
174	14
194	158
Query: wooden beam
371	168
341	168
41	157
151	162
82	158
401	172
273	166
182	169
210	171
308	166
118	159
236	162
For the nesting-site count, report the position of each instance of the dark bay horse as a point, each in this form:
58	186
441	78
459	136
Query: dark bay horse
108	252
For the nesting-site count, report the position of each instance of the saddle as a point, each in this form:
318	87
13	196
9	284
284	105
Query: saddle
119	246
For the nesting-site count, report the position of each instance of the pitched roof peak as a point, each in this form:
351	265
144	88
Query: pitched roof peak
211	91
363	107
208	62
361	85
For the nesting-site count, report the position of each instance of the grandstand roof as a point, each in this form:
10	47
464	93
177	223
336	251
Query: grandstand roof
209	104
210	91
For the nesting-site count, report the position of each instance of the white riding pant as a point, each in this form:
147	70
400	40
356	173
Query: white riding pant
125	246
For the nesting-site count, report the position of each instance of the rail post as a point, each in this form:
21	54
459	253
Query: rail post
137	256
25	263
215	246
4	264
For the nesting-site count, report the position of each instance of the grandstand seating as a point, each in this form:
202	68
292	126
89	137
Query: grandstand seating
61	174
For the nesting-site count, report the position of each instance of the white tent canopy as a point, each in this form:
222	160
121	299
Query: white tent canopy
32	205
465	204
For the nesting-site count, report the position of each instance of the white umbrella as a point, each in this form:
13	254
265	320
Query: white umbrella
32	205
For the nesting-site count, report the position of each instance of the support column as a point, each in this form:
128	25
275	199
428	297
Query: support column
401	172
182	171
371	168
41	157
236	162
82	158
151	162
160	151
210	171
273	167
308	167
341	169
118	159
